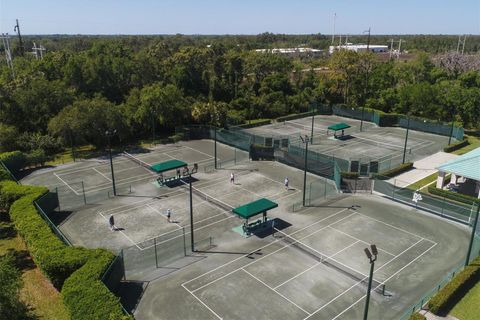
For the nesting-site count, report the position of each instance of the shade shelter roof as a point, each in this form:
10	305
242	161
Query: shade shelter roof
168	165
255	207
467	165
338	126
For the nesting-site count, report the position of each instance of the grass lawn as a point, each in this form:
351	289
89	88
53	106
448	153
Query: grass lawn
468	307
42	299
474	143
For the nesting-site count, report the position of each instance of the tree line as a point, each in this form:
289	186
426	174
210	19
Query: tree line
137	85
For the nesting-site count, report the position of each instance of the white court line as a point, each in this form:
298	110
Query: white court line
66	184
216	315
161	214
127	237
278	293
262	247
95	169
259	259
208	155
161	195
188	232
392	226
353	304
355	238
357	283
315	265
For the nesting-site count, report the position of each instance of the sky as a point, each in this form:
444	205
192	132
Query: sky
240	16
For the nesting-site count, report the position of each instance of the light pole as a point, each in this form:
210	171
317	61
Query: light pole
215	147
313	120
153	126
472	237
305	140
372	256
451	129
73	146
192	241
406	139
109	134
366	80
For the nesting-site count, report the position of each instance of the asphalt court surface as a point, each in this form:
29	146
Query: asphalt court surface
287	283
372	142
146	220
93	177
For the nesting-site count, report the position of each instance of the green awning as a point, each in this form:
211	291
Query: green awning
338	126
255	207
168	165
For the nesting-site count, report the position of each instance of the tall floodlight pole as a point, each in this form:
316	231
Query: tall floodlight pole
154	118
451	128
367	66
192	240
20	41
334	20
472	237
215	147
109	133
313	120
305	140
72	144
406	139
372	257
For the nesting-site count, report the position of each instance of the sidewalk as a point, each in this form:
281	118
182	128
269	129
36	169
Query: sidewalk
422	168
431	316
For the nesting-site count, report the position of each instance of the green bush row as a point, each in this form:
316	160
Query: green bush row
349	175
76	271
254	123
449	295
456	146
417	316
293	116
453	195
396	171
17	160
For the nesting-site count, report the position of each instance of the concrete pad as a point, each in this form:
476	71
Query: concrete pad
422	168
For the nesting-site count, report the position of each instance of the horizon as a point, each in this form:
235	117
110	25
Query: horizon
249	17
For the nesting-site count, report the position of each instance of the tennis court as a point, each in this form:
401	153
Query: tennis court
383	145
315	269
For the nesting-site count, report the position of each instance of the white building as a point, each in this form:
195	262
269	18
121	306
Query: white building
358	48
292	52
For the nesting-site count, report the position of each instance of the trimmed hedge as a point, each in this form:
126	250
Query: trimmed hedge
452	195
417	316
449	295
456	146
254	123
396	171
86	296
293	116
349	175
14	160
76	271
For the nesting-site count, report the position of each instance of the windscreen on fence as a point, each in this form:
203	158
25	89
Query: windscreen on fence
357	113
424	125
440	206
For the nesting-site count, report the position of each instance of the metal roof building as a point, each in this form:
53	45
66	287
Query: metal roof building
465	171
358	48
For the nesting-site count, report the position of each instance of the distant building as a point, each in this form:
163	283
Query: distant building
293	52
358	48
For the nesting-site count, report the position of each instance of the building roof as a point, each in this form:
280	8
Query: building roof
255	207
168	165
467	165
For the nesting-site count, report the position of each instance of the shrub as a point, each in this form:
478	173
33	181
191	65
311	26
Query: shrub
294	116
396	171
10	283
85	296
456	146
254	123
14	160
453	195
387	119
449	295
417	316
36	157
349	175
77	271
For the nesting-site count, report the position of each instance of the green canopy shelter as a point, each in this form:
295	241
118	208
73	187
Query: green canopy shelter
260	206
338	126
168	165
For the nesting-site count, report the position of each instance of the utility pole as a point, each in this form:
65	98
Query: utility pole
38	51
8	53
17	30
461	42
368	39
399	48
333	34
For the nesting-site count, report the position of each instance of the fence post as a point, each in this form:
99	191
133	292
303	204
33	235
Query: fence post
84	196
184	243
155	250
